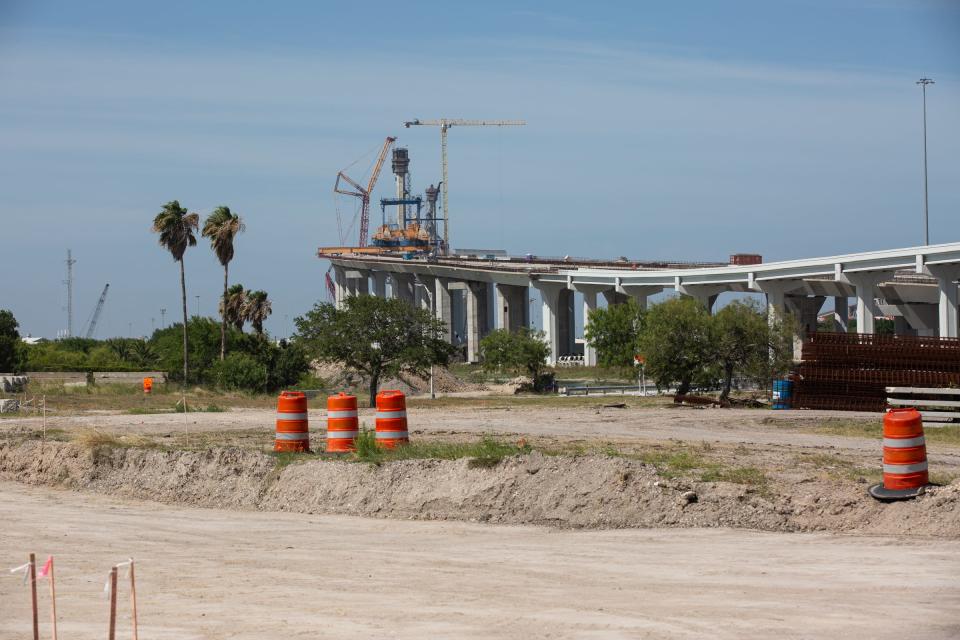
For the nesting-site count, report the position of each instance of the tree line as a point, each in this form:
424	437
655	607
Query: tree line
683	344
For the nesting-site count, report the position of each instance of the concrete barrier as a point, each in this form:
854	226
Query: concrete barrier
10	383
74	378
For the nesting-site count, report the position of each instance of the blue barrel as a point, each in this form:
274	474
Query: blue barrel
782	394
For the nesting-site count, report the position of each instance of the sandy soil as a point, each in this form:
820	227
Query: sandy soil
221	574
682	423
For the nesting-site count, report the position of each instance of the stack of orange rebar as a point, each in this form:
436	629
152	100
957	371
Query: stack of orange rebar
850	371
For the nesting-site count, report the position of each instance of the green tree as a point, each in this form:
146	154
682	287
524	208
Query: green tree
256	309
745	343
522	351
231	307
676	341
11	349
222	227
615	333
176	226
375	337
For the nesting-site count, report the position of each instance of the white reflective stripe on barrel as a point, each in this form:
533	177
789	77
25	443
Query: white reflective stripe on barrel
291	416
905	468
903	443
293	436
386	415
350	413
391	435
341	435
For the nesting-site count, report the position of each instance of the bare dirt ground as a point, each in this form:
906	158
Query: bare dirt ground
576	420
226	574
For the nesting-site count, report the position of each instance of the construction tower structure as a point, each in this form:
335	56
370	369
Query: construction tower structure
445	124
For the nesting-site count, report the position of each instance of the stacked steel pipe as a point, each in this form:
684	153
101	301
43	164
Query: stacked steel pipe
850	371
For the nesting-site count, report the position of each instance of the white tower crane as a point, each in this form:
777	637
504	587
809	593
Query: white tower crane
445	124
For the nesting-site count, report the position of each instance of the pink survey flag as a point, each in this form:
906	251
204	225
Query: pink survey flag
45	571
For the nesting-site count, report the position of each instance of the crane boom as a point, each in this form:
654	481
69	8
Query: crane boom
96	312
364	193
445	124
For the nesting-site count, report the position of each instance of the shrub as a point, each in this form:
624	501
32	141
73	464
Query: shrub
240	371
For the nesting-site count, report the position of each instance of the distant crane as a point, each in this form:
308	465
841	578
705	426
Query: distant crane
445	124
364	193
96	312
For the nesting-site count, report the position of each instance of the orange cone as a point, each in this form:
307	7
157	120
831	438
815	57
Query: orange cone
905	473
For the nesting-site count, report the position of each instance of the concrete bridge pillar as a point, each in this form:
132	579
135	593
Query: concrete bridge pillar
512	307
640	293
403	286
358	282
551	309
946	276
616	297
425	290
477	313
379	283
841	314
866	292
566	323
805	310
339	286
589	293
443	307
704	294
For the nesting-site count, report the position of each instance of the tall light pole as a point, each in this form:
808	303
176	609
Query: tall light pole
923	82
198	305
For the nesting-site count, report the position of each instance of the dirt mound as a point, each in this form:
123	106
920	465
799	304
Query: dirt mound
337	376
584	491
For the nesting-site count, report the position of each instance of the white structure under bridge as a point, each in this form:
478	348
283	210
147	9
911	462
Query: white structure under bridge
473	295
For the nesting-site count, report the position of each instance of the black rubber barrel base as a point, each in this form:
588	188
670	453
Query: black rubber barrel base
892	495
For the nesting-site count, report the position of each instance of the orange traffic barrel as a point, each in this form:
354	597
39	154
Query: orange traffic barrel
342	425
292	426
147	385
392	419
904	456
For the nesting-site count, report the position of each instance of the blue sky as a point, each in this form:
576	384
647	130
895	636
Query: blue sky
656	130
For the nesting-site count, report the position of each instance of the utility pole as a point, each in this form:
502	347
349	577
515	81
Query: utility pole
163	321
923	82
445	124
198	305
69	283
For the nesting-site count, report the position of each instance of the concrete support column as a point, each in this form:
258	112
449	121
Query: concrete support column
616	297
424	290
379	283
358	282
589	306
566	323
841	313
901	327
339	286
589	293
640	293
946	276
550	294
866	292
403	286
923	318
512	307
805	310
443	307
477	327
702	293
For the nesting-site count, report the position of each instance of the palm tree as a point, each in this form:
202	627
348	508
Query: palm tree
256	309
176	226
231	307
222	226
